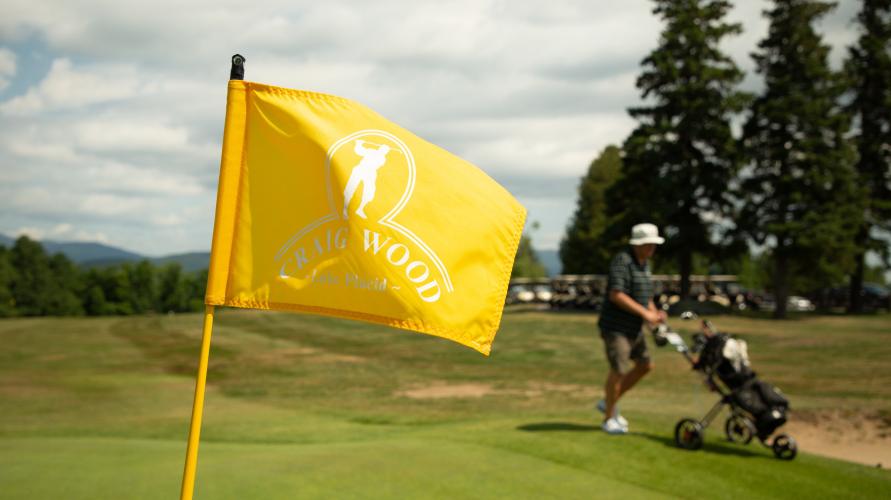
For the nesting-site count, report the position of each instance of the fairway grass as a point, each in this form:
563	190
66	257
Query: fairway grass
308	407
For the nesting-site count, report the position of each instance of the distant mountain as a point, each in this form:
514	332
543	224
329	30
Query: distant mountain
194	261
100	255
190	262
81	252
551	260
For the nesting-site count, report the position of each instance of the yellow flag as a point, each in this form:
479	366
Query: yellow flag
326	207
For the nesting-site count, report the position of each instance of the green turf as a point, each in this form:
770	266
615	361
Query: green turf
308	407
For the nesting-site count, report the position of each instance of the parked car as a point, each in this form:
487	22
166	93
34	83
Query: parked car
543	293
520	294
797	303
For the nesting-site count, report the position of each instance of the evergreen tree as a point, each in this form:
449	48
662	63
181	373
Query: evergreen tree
173	294
100	285
869	72
584	250
7	272
95	303
680	160
32	283
118	290
143	290
64	297
196	286
799	198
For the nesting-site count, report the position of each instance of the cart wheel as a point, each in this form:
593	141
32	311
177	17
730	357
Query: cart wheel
688	434
784	447
739	429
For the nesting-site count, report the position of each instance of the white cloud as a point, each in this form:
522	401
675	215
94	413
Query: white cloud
110	204
68	87
167	220
559	146
41	150
128	135
7	67
61	232
116	177
34	200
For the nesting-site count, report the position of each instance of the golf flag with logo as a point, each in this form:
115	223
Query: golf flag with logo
326	207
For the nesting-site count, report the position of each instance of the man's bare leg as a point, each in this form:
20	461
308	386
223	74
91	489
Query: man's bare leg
617	385
613	390
633	377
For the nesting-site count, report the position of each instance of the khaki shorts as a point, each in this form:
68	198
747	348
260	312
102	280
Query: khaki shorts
621	350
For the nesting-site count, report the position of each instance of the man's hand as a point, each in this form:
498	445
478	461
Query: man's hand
653	317
649	314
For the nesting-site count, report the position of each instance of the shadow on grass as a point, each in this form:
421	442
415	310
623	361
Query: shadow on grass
557	426
717	449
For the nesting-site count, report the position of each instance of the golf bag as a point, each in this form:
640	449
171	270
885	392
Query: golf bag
728	359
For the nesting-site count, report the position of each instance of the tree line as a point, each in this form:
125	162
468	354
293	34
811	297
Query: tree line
794	179
33	283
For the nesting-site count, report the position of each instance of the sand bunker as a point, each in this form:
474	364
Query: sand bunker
847	435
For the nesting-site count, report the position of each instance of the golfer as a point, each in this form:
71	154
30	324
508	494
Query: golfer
629	304
366	173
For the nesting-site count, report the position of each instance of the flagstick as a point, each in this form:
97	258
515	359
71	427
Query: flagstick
197	408
236	72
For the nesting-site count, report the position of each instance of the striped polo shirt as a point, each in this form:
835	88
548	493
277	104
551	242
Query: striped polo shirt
627	276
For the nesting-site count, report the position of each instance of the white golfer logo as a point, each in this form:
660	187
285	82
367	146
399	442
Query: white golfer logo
366	173
401	250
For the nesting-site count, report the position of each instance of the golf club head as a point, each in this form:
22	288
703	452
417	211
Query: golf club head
676	340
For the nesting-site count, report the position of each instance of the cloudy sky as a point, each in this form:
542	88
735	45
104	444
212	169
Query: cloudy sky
112	111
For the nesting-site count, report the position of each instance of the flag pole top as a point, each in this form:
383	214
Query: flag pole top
237	71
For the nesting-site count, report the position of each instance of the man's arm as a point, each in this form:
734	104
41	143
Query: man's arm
649	314
662	314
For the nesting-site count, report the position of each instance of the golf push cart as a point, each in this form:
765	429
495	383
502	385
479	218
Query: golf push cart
757	408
